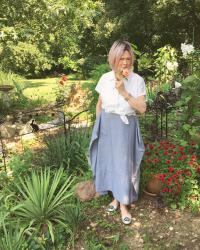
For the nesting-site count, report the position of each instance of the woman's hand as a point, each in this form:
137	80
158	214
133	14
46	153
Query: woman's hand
119	85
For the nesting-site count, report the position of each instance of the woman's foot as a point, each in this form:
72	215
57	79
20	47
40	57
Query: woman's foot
126	216
112	206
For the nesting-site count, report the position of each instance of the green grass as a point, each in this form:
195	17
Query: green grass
43	88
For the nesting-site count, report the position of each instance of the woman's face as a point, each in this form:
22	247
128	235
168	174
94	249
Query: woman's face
125	61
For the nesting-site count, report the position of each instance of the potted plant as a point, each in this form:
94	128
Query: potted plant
166	167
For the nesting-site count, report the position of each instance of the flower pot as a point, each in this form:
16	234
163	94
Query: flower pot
153	186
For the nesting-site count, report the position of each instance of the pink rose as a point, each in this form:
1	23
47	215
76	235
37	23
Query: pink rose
125	73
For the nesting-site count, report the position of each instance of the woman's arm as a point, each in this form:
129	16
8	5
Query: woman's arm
138	103
98	106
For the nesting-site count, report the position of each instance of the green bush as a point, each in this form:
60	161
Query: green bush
69	151
24	58
21	164
189	106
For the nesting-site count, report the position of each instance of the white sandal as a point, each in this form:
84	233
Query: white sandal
127	220
111	208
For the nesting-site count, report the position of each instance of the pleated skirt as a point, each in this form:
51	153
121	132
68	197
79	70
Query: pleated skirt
115	153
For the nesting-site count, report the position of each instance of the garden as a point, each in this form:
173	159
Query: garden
52	54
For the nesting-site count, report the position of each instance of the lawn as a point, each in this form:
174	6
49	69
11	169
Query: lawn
44	88
41	88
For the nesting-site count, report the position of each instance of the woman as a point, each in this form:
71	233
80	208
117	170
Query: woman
116	147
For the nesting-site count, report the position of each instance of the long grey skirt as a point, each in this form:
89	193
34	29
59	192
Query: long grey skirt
116	150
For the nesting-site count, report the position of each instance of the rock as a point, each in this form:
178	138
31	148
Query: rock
85	190
56	121
92	224
26	129
137	224
7	131
9	118
19	127
46	126
10	145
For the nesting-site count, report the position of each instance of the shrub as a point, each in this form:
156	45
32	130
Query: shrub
25	58
69	151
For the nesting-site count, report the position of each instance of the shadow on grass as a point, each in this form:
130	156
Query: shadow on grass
33	84
42	83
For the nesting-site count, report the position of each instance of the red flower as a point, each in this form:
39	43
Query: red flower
181	148
167	161
179	172
193	157
151	146
165	152
191	163
156	160
161	177
197	169
64	78
174	153
175	176
181	158
169	180
148	160
61	82
171	169
187	172
165	190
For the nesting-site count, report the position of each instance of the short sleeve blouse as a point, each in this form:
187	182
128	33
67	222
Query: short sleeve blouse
112	101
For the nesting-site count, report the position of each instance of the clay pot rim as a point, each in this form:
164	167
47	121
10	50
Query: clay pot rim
6	87
151	194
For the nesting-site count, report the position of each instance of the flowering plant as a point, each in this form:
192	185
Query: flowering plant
61	93
166	64
176	167
186	49
63	80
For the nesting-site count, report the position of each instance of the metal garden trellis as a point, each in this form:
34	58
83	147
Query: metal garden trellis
66	124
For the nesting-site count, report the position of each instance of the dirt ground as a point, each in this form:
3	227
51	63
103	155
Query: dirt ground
152	227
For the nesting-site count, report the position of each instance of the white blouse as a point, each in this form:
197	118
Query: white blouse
112	101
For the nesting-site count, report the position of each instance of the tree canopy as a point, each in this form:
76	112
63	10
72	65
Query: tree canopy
39	36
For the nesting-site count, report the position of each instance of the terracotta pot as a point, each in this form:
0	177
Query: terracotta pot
154	185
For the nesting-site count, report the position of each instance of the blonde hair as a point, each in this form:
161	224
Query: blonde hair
116	52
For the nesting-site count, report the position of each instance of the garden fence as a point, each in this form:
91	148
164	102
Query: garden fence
154	125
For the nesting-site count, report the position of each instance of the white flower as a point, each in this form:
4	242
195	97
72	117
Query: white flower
177	85
172	66
2	35
186	49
